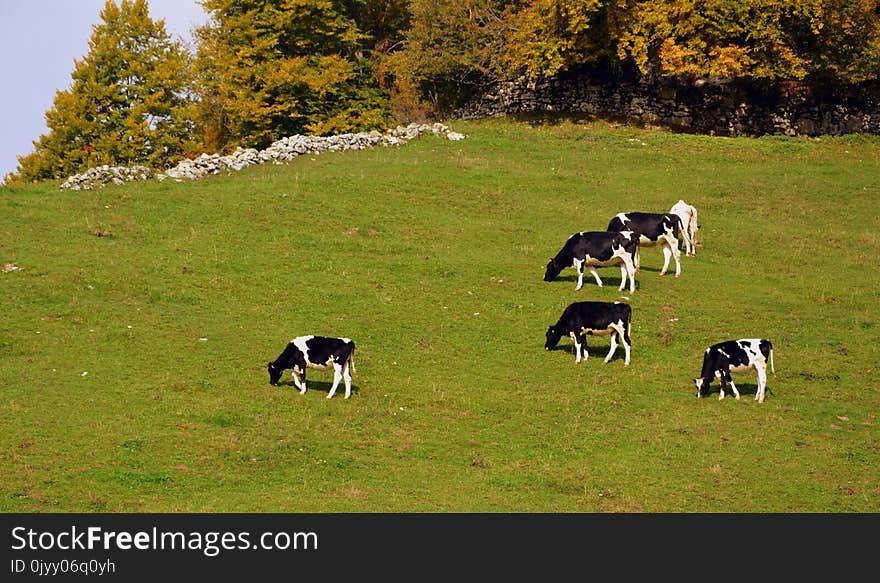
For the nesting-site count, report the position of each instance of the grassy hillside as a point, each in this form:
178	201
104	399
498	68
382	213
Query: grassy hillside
135	335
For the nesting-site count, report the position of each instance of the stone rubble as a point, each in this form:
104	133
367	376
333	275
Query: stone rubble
279	152
101	176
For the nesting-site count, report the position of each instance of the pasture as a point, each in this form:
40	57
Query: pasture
136	331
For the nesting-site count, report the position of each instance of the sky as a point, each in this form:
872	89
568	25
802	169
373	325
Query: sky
39	39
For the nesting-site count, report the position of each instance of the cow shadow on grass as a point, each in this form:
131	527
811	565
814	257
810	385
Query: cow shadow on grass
745	389
606	281
597	351
320	387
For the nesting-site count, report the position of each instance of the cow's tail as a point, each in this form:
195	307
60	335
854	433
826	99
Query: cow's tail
767	350
351	358
632	247
679	227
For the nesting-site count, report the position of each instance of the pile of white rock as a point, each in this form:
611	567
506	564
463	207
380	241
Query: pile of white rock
283	150
101	176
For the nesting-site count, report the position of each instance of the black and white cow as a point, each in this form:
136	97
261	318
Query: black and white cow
688	215
596	319
653	229
317	352
596	248
736	356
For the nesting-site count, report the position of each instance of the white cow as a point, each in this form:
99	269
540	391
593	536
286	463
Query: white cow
688	216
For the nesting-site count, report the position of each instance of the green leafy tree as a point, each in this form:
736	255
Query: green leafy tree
452	48
694	38
844	42
383	22
128	103
548	36
272	68
453	44
761	39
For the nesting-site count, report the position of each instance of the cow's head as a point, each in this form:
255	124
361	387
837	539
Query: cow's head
552	338
702	385
274	373
552	271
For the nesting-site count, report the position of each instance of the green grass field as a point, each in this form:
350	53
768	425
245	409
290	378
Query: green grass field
136	331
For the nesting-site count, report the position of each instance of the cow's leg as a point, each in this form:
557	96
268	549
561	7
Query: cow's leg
630	270
337	376
622	276
579	266
625	340
614	336
726	379
578	348
300	383
723	381
667	254
676	254
762	381
346	376
684	244
733	388
595	275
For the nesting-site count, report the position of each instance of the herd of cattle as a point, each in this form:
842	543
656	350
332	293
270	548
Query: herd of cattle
619	244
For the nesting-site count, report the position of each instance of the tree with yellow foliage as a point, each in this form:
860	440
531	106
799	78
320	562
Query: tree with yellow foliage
453	44
274	68
128	103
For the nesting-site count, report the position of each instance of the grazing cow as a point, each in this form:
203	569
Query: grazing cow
735	356
688	216
653	229
317	352
596	319
596	248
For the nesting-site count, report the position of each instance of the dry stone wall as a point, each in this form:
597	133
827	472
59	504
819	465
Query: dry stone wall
709	106
279	152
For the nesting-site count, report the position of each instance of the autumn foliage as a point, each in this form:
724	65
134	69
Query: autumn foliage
273	69
128	102
265	69
836	41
